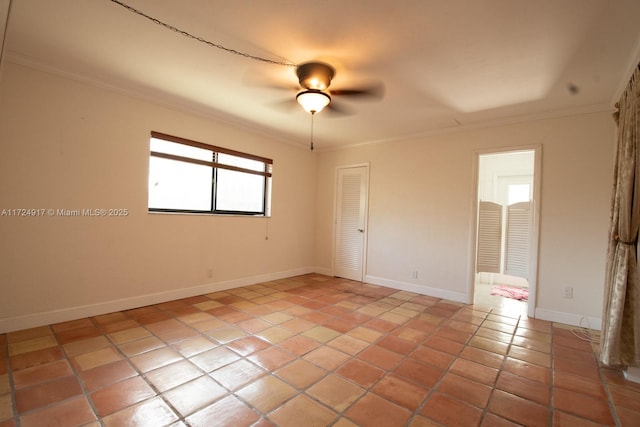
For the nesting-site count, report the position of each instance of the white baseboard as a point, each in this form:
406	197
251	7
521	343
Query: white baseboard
419	289
16	323
323	270
569	318
72	313
632	374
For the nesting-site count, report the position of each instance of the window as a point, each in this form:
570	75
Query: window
518	193
190	176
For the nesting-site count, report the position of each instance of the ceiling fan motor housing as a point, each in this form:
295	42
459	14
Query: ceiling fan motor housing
315	75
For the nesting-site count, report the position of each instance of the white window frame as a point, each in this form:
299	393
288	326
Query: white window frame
265	172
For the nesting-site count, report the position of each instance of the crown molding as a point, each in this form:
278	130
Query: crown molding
154	97
236	122
487	124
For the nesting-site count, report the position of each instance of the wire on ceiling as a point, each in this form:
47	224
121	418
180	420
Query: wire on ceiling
200	39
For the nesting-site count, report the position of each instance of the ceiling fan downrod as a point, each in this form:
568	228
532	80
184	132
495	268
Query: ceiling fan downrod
311	138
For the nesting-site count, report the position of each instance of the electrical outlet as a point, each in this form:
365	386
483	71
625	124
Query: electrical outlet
210	273
567	292
414	274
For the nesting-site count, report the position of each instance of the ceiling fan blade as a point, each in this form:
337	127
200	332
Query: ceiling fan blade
337	109
292	88
373	92
286	105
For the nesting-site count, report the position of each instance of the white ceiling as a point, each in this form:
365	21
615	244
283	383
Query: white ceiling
445	64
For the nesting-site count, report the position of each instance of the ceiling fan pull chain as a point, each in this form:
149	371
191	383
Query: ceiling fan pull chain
312	116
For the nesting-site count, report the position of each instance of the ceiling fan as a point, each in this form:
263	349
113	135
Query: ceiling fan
314	92
315	79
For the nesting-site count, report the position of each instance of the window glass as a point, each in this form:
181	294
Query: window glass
227	159
519	193
237	191
189	176
179	185
169	147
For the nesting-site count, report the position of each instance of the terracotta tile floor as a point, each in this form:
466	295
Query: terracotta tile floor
309	350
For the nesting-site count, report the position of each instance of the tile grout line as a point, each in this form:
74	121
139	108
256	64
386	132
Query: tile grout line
370	388
142	375
242	357
388	333
485	410
76	374
605	384
304	391
12	388
389	371
602	382
501	370
311	293
502	365
433	389
67	360
341	414
552	381
268	372
551	370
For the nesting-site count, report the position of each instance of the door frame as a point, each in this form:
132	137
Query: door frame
366	217
535	231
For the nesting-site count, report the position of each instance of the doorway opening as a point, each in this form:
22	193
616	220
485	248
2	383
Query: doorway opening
506	231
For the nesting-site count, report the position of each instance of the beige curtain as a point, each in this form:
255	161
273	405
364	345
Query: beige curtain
620	340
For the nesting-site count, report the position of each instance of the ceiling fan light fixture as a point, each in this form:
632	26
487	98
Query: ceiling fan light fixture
313	101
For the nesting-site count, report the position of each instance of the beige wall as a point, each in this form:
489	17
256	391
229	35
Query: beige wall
66	144
420	210
69	145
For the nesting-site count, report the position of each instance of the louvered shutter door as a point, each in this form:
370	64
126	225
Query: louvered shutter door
489	237
350	219
518	239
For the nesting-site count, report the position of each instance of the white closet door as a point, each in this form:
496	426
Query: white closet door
350	223
518	239
489	237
